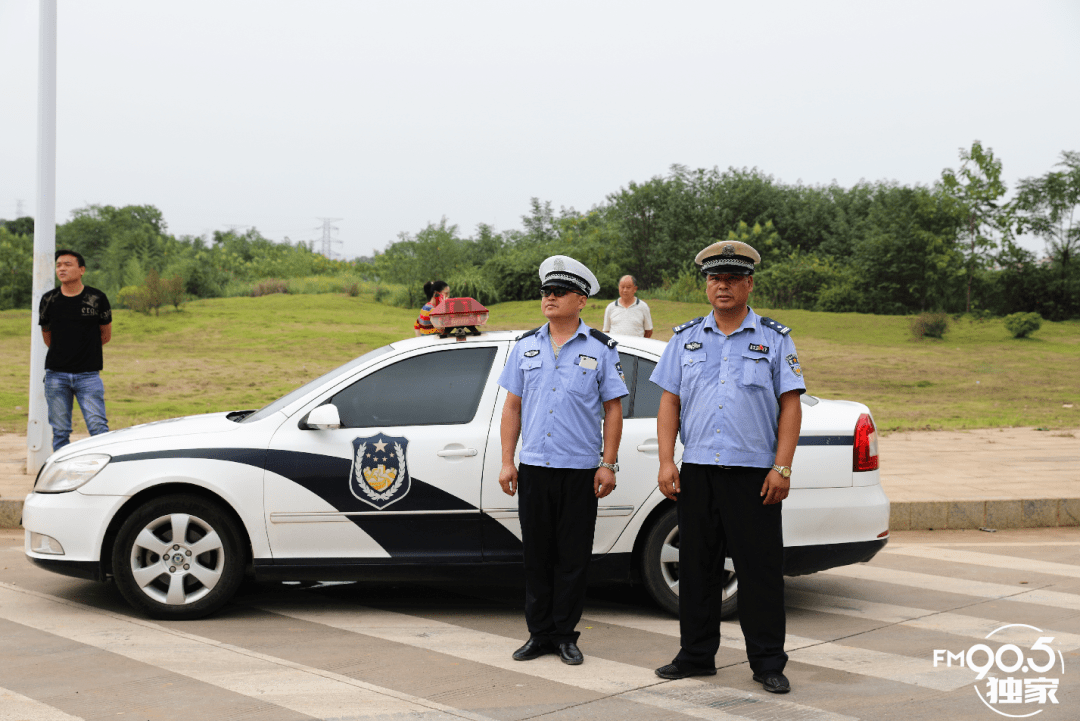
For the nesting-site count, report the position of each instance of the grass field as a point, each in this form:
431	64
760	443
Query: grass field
231	353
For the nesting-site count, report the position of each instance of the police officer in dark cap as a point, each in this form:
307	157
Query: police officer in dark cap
564	384
731	383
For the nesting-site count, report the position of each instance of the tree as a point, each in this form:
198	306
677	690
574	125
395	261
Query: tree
977	186
1047	207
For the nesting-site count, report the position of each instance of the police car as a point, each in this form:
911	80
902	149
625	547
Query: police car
393	460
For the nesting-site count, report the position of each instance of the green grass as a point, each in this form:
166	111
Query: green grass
231	353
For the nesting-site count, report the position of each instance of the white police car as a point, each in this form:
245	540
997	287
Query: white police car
393	460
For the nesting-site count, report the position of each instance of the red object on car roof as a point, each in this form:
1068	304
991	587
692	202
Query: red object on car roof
464	313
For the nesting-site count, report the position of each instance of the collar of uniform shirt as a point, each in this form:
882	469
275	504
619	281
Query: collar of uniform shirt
749	322
545	330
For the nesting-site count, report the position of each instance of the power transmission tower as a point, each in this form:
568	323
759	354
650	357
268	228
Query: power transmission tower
19	208
328	241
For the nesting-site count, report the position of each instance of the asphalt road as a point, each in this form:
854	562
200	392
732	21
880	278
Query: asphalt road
862	642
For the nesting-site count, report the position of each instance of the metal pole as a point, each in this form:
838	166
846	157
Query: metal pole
38	435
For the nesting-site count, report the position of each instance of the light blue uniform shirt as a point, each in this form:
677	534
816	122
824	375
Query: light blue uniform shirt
562	400
729	388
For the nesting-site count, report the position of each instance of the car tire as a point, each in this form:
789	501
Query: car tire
660	567
173	579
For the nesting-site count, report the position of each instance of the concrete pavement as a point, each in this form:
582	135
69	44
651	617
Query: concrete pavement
986	478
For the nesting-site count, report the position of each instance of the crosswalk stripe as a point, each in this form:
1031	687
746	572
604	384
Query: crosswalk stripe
976	558
307	690
601	675
16	707
946	584
955	624
827	654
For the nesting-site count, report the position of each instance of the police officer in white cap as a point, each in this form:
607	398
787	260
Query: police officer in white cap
563	383
731	383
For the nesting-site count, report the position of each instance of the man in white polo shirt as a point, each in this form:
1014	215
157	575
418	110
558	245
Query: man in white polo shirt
628	315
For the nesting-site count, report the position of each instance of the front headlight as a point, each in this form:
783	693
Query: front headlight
70	473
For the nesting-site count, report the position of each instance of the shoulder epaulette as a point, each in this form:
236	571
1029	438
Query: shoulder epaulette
688	324
528	333
603	338
778	327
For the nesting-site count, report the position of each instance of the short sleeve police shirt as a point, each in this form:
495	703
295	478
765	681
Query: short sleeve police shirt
729	388
562	400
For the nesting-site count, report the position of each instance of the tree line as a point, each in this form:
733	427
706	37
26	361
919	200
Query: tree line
875	247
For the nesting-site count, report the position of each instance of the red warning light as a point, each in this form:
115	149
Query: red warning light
458	316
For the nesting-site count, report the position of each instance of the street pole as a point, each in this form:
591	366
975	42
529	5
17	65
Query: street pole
38	440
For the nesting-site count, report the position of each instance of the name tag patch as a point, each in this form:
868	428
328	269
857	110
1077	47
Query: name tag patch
692	346
587	362
760	348
531	353
793	363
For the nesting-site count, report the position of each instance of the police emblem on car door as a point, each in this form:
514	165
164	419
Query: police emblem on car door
380	473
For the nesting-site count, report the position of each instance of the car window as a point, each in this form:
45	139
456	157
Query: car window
629	367
644	398
646	393
312	385
437	388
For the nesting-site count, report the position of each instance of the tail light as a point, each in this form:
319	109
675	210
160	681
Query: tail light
865	454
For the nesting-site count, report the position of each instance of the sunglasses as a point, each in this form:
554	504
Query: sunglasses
557	292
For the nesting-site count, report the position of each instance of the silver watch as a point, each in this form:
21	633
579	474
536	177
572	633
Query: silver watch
613	467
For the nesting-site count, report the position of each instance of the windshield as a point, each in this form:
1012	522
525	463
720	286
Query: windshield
308	387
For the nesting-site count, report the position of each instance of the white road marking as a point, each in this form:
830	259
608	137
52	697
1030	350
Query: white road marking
827	654
980	589
955	624
598	675
307	690
975	558
966	544
16	707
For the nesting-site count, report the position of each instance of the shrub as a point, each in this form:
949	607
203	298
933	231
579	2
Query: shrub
172	291
1021	325
268	287
929	325
352	290
135	297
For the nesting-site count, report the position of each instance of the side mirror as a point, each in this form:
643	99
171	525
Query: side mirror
324	418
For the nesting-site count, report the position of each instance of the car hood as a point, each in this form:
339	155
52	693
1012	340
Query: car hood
186	426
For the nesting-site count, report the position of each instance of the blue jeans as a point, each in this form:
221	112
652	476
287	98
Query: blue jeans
60	389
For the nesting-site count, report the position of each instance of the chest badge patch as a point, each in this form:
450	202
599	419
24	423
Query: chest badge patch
760	348
380	474
793	363
531	353
692	346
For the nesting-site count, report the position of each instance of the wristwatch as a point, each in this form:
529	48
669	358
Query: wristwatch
613	467
784	471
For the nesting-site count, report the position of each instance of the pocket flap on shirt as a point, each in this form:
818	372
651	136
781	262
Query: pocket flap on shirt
697	356
530	363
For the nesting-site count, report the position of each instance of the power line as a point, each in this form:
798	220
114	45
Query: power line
328	240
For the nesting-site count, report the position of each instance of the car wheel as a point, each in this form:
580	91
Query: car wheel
178	557
660	567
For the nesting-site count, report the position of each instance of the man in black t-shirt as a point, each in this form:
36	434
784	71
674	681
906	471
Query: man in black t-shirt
76	321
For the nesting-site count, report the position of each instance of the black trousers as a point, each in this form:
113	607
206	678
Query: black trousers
721	509
557	508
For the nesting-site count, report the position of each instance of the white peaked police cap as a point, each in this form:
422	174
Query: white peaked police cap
564	272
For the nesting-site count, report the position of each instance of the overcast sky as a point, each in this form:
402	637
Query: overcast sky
389	115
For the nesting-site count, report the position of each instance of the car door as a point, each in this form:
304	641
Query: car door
639	464
399	481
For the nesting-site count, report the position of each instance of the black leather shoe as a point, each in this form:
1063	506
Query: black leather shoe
533	648
773	681
570	653
676	670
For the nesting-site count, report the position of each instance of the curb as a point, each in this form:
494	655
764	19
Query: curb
953	515
903	516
